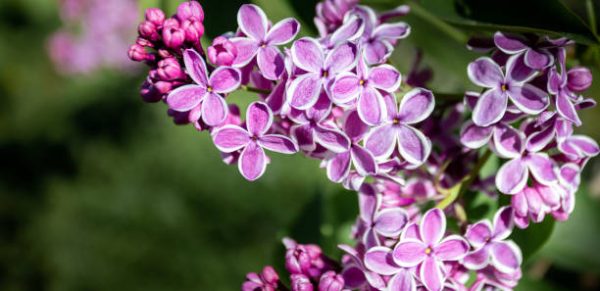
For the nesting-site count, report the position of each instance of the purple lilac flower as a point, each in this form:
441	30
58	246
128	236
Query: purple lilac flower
413	146
222	52
331	281
261	42
364	87
330	14
536	53
206	92
513	85
267	280
490	245
320	67
253	140
381	261
379	222
429	250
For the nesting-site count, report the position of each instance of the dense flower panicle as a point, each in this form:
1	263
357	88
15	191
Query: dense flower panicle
337	99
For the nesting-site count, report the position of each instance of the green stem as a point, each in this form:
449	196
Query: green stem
255	90
474	172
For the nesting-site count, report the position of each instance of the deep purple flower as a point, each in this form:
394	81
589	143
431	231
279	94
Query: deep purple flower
364	87
490	245
261	42
430	250
413	145
320	67
253	160
206	91
536	55
513	85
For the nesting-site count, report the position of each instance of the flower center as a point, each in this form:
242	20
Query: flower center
396	120
362	82
428	251
325	74
504	87
209	89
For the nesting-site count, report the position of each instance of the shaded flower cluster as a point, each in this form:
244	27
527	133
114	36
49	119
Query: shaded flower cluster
337	99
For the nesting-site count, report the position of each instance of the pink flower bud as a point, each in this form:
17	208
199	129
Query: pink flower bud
156	16
169	69
137	53
190	9
222	52
579	79
164	54
149	94
144	42
173	37
163	87
297	260
331	281
179	118
148	31
171	23
301	283
194	30
269	275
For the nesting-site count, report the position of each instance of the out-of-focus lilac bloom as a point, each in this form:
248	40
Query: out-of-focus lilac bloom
352	29
206	92
261	42
330	281
320	67
190	9
357	275
330	14
253	161
514	174
301	282
536	53
430	250
364	87
490	246
378	222
579	79
380	260
339	166
513	85
413	145
534	202
267	280
222	52
305	259
312	128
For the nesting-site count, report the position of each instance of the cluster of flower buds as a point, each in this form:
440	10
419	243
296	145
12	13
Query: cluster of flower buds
337	99
100	38
160	43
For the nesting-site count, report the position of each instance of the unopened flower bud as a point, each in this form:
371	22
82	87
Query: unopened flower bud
301	283
579	79
297	260
331	281
169	69
190	9
156	16
194	30
148	31
171	23
173	37
137	53
144	42
222	52
149	93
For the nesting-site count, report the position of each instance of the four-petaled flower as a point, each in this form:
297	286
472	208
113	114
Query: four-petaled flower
377	222
261	42
490	245
428	250
492	104
206	92
253	161
413	145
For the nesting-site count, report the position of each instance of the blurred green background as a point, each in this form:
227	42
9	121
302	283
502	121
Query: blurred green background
99	191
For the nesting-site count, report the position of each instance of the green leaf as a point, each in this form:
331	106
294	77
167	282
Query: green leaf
533	238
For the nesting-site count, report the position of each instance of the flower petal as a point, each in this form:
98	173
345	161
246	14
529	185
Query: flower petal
338	167
566	109
433	226
278	143
363	161
416	106
308	55
529	98
517	72
230	138
304	136
540	139
247	49
542	168
381	141
270	62
185	98
538	60
352	29
253	162
283	32
452	248
473	136
304	91
333	140
385	77
431	274
508	142
479	234
403	280
477	260
503	223
371	106
259	118
490	107
413	145
214	110
368	202
377	52
195	66
354	127
342	58
508	43
390	222
381	261
345	88
409	253
225	80
252	21
485	73
396	30
506	256
512	177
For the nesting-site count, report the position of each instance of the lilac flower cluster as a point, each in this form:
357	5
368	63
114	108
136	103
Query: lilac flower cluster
101	36
337	99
